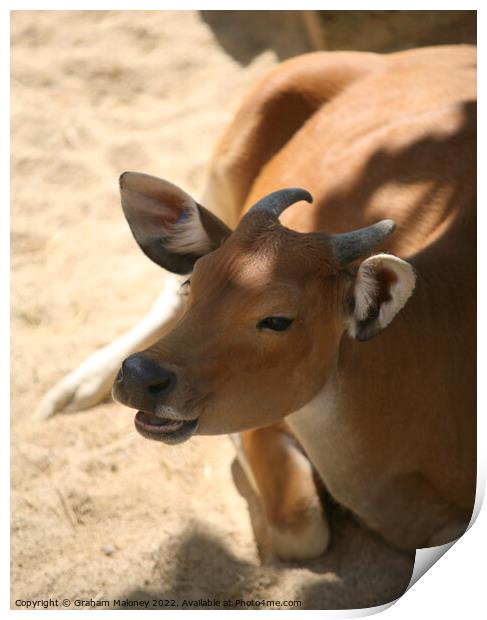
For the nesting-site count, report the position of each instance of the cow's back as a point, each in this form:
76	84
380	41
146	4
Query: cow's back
397	143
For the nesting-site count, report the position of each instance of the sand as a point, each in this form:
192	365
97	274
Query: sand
98	512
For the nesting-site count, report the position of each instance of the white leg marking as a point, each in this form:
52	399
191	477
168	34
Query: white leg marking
308	543
91	382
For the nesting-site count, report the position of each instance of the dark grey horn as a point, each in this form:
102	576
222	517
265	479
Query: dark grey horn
353	245
275	203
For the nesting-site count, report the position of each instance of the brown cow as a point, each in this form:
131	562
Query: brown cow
291	324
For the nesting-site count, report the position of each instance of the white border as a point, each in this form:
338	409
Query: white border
453	586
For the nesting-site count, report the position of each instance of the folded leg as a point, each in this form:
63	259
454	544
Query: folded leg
283	478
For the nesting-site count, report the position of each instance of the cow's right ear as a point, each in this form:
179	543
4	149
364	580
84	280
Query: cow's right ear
383	285
170	227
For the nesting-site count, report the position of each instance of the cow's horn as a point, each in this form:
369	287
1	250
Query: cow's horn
352	245
275	203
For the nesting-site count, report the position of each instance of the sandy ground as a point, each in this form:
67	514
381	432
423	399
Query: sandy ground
97	511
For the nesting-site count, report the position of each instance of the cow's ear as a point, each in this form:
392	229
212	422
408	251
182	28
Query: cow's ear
383	285
170	227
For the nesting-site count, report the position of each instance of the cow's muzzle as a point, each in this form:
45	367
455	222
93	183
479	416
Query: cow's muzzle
144	384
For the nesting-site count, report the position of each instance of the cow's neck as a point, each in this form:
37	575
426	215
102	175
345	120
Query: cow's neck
316	423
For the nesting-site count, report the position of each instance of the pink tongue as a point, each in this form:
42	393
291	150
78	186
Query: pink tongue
153	423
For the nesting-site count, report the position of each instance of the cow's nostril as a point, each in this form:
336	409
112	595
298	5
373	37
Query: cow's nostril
144	381
157	388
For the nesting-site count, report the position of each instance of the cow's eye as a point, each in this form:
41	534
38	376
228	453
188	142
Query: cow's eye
276	323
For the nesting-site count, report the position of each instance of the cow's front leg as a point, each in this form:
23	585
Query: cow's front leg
283	476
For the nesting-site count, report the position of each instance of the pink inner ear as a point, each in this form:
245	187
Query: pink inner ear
174	208
154	215
148	217
153	203
171	204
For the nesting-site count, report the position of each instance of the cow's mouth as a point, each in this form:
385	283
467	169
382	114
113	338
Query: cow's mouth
168	430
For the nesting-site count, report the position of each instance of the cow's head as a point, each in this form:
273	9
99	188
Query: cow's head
266	310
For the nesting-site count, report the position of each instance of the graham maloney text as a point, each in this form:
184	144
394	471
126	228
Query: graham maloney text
125	602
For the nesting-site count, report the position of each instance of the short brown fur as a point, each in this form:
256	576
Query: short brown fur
370	137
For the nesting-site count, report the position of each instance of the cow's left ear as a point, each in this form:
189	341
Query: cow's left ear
383	285
170	227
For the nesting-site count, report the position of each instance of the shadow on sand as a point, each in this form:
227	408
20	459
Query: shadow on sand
359	570
246	34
